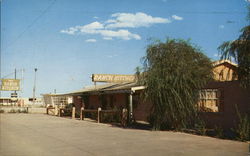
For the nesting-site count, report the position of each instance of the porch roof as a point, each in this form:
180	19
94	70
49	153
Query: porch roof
106	88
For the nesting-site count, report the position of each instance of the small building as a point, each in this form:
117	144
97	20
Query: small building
59	100
221	98
6	101
217	102
20	101
211	95
113	96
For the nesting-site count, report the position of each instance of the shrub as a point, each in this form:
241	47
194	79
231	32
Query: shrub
12	111
68	110
1	111
219	133
24	111
243	128
111	117
201	128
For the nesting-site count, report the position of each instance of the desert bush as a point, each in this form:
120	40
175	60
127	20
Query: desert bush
12	111
200	128
68	110
24	111
111	117
243	128
219	132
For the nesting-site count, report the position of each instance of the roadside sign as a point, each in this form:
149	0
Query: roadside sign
10	84
115	78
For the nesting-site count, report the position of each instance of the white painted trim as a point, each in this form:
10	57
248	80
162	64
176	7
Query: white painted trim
216	63
133	89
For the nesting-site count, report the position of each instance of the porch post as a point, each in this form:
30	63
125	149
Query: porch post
99	115
81	113
130	107
73	112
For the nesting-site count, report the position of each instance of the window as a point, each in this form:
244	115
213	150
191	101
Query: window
209	100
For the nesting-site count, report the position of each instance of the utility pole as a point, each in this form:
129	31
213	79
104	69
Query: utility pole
22	81
15	79
34	89
15	94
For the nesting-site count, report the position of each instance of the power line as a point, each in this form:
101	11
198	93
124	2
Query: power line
10	74
212	12
30	25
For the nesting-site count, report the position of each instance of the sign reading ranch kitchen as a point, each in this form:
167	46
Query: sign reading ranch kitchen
113	78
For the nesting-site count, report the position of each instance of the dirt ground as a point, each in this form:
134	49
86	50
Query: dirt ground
44	135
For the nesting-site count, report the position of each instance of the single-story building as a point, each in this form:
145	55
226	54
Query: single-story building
113	96
59	100
217	103
20	101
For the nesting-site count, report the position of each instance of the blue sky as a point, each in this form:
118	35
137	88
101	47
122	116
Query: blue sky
68	40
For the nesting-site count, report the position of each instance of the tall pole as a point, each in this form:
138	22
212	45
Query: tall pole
22	81
15	79
34	89
15	94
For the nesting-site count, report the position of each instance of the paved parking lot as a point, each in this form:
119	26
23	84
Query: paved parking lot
44	135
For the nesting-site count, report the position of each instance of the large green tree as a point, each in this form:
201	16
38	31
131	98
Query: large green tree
173	72
239	50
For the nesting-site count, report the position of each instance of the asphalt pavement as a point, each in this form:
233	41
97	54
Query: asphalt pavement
45	135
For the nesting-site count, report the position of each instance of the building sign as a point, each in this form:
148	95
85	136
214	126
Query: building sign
10	84
113	78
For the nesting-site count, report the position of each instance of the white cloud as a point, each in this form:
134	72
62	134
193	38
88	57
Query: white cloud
97	28
221	26
95	17
247	1
90	40
110	28
110	21
175	17
121	34
111	56
107	38
94	25
90	28
129	20
70	31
